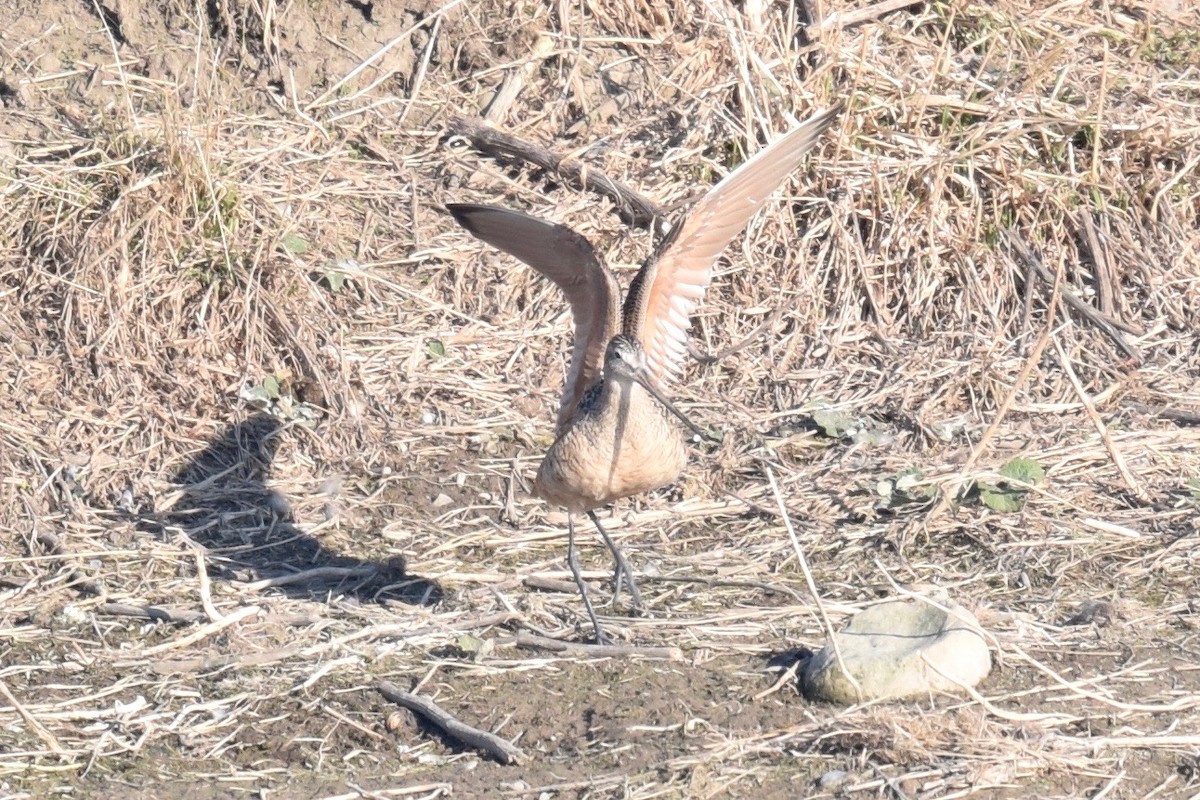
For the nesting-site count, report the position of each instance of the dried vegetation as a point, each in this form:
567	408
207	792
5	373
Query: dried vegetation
255	386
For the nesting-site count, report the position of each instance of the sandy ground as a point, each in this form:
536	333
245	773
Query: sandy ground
258	386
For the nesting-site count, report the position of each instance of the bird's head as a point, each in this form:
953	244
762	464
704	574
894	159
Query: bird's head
625	363
625	359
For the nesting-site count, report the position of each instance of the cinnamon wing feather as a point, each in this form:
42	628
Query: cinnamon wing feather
568	259
670	285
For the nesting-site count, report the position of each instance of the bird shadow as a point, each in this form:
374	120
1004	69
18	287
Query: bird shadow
224	504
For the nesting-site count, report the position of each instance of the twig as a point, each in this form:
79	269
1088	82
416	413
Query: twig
204	585
1051	318
789	674
1047	719
502	750
891	783
316	574
549	584
751	338
378	54
203	632
1101	428
158	613
713	583
1183	703
214	663
1180	415
846	19
633	208
420	79
514	81
1105	286
1105	323
38	728
811	581
531	641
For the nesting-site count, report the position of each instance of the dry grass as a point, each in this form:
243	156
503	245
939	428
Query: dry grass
173	225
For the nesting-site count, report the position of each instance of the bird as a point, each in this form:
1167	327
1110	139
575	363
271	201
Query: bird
615	433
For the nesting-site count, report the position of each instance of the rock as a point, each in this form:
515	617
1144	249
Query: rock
833	779
899	648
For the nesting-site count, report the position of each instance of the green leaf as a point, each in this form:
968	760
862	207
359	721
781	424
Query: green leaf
294	244
255	394
475	647
270	386
469	644
909	478
436	348
835	424
1025	470
335	278
1193	487
1006	501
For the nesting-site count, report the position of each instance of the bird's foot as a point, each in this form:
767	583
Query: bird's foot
601	637
620	574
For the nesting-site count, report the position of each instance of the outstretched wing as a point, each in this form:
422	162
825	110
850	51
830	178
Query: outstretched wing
670	285
568	259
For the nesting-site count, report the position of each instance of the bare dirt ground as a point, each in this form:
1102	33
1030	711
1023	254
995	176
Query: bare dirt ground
255	383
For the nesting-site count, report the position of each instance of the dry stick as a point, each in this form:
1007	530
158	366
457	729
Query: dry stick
317	573
1182	416
203	632
157	613
1047	719
1181	704
549	584
1105	287
788	675
420	79
566	587
38	728
205	586
632	207
751	338
378	54
1101	428
1106	324
531	641
213	663
428	789
890	782
713	583
502	750
808	579
847	19
515	80
1010	398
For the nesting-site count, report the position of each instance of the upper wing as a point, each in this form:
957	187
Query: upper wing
668	287
568	259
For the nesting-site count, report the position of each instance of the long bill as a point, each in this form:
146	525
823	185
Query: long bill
642	376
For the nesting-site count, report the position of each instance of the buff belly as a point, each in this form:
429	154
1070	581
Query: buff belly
597	459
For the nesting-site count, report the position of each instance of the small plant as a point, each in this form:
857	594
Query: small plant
1008	496
274	395
903	489
294	244
837	424
336	275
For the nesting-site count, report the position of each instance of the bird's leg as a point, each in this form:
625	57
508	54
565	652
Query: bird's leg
622	567
573	563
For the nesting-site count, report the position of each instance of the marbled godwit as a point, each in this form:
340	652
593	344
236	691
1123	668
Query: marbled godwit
614	436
